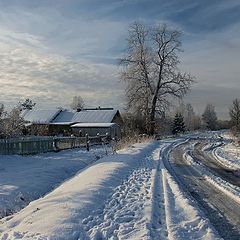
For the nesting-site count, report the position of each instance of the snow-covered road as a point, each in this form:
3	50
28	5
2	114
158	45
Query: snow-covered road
210	185
137	193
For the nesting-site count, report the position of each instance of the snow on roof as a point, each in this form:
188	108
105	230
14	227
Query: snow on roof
61	123
40	115
67	117
24	112
94	116
64	116
28	124
93	125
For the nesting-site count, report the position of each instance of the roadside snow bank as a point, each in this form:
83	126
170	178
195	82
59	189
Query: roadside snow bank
229	156
69	212
183	217
229	189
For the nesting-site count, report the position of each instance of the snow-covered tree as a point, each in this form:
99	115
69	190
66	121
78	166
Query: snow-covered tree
1	110
189	117
178	124
77	103
151	70
210	117
27	104
2	115
234	112
197	122
191	120
13	124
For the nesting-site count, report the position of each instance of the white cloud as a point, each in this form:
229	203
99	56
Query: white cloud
51	79
50	51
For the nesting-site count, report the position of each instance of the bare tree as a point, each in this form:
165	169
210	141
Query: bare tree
151	70
77	103
234	112
2	112
189	117
2	115
191	120
197	122
210	117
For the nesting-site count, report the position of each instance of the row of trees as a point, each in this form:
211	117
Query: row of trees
180	119
186	119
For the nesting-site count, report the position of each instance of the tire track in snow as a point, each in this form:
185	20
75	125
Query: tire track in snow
158	217
216	205
180	215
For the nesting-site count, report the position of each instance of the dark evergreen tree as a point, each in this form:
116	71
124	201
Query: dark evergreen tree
178	124
28	104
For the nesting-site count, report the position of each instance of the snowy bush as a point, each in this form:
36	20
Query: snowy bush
12	125
132	139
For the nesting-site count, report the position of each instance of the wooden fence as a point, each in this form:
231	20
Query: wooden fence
34	145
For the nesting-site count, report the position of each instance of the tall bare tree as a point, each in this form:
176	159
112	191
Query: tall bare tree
210	117
77	103
151	70
234	112
189	117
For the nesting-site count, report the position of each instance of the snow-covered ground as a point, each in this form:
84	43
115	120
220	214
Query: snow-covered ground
228	155
225	152
26	178
231	190
133	194
222	151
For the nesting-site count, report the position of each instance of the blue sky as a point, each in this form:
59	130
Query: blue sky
51	50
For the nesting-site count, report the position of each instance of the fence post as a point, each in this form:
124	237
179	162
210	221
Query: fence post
87	142
98	138
55	147
114	145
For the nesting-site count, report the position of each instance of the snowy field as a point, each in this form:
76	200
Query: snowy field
133	194
24	179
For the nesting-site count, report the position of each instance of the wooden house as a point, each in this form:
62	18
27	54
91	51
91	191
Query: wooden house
60	121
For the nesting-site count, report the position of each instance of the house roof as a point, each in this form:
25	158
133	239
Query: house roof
98	125
61	123
65	117
40	115
94	116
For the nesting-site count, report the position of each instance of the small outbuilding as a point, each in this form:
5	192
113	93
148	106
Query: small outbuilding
92	129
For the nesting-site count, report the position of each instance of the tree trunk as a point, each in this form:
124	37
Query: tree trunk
152	116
